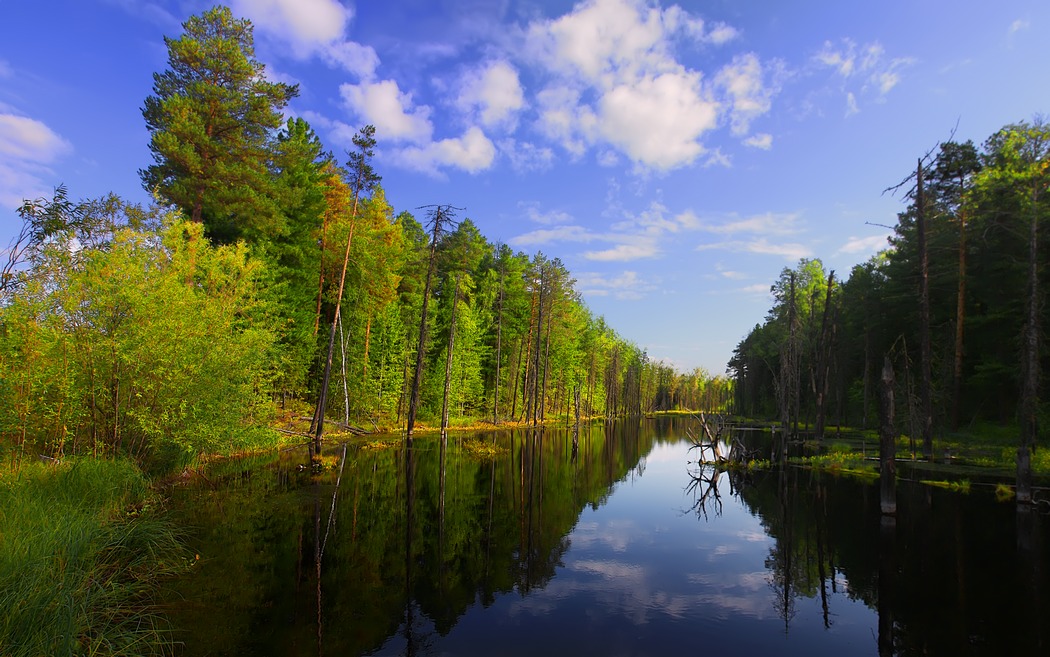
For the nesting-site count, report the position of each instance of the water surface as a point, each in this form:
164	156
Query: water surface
614	544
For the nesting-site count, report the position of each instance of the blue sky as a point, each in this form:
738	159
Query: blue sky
675	157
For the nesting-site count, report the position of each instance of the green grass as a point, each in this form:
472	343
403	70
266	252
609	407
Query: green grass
81	552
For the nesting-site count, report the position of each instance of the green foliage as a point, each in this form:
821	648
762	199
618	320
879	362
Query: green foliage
153	346
211	117
82	553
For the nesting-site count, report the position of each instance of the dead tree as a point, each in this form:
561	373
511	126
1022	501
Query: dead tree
441	217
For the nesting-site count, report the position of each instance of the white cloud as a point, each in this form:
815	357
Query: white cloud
749	96
841	58
729	273
303	23
721	34
851	104
494	93
552	235
472	152
27	146
626	286
560	117
549	218
762	246
385	106
654	222
769	223
525	156
625	252
23	138
658	122
762	140
312	27
618	82
867	64
354	57
790	251
870	244
757	288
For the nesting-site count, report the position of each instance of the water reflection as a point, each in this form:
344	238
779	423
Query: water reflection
601	541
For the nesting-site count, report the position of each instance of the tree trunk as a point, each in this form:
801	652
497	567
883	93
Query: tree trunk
1030	365
448	363
322	397
823	358
417	378
536	401
926	384
499	349
960	321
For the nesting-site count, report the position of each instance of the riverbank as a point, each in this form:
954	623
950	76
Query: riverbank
85	545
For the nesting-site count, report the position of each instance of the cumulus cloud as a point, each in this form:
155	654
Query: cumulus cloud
27	147
658	121
472	152
492	92
312	27
619	83
390	110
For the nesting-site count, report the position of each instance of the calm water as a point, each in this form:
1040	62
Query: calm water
619	546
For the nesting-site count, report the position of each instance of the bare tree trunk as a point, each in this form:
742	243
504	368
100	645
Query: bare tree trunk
322	397
926	385
417	378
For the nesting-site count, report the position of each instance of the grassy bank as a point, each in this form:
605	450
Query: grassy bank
81	553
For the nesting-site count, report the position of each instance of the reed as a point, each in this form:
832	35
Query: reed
81	554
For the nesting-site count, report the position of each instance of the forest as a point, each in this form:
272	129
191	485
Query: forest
271	285
268	276
953	307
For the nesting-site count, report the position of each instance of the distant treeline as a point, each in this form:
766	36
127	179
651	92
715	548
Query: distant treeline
820	352
175	330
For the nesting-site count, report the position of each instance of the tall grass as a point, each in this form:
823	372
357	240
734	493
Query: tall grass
81	551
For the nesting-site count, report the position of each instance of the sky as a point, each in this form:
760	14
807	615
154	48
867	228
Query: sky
675	157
